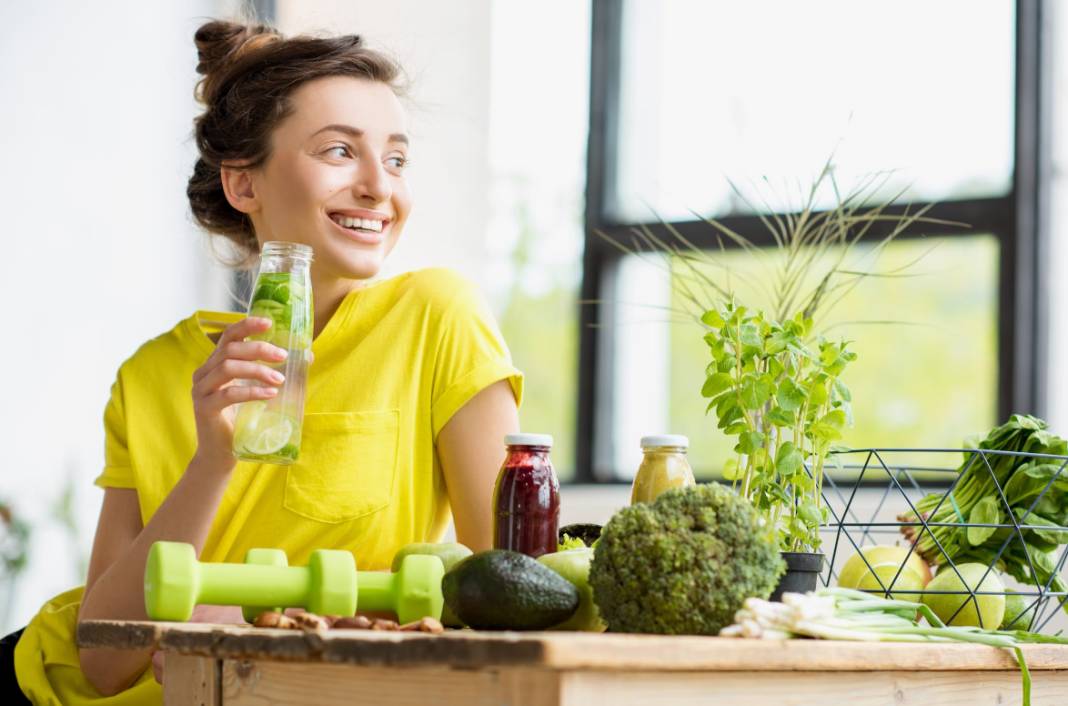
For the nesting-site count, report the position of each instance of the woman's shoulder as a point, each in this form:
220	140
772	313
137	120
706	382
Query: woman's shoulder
439	289
171	350
438	283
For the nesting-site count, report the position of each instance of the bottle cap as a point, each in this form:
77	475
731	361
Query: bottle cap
655	440
528	440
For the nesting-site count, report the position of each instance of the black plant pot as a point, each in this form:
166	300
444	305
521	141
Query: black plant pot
802	572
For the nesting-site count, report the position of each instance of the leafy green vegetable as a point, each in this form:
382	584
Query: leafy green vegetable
1033	495
984	511
570	543
586	532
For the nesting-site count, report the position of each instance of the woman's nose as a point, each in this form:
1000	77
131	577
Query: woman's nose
372	182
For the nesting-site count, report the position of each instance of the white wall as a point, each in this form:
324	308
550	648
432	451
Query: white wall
101	254
444	48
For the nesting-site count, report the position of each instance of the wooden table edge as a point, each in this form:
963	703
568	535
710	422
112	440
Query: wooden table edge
559	651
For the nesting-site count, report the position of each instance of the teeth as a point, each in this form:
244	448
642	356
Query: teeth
361	223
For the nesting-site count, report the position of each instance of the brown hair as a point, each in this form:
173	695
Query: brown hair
249	72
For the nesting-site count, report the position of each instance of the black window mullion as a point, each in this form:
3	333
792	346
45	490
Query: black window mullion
992	215
595	358
1023	318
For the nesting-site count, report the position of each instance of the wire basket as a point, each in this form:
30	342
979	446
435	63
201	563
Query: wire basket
875	499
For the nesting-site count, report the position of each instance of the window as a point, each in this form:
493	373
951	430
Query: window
772	87
689	96
535	234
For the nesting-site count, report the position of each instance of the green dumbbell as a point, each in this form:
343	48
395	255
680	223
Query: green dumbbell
263	557
175	582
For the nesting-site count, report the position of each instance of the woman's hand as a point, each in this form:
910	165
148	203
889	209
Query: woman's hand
215	388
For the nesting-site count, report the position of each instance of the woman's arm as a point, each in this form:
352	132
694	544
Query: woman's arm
115	585
471	450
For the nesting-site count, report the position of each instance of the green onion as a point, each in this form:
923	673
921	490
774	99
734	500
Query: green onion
846	614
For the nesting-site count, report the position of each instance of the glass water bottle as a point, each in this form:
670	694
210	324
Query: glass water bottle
268	431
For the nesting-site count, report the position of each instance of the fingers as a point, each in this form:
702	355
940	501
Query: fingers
230	370
239	350
243	329
157	666
232	394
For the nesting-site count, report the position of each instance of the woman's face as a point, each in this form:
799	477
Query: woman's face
335	177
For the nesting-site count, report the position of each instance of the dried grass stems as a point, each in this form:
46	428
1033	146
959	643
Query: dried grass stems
792	277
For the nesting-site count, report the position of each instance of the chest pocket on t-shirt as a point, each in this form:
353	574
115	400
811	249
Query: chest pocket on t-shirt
347	466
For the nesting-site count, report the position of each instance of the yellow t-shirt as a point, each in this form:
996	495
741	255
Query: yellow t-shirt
391	367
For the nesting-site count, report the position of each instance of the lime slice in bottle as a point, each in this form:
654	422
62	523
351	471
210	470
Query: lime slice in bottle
270	439
263	432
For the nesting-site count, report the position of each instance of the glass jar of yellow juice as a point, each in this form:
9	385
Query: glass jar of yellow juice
664	466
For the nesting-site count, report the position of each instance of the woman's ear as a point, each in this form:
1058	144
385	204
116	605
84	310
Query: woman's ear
239	190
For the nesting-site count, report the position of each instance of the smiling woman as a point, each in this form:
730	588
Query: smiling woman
337	187
412	389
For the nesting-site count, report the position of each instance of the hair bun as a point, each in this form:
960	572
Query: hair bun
219	43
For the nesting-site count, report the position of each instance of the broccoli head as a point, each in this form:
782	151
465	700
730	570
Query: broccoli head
683	564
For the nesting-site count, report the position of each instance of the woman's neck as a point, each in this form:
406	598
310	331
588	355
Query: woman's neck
328	293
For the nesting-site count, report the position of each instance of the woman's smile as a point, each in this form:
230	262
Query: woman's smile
361	225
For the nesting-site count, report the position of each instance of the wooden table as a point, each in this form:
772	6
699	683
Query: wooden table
231	665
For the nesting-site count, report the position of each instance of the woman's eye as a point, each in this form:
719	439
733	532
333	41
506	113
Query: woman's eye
397	162
339	151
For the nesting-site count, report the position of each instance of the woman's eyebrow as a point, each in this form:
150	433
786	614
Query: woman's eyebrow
356	132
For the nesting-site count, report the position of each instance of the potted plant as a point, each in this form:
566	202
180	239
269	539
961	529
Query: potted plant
774	378
782	396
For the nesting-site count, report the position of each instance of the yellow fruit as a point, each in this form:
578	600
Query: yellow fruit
855	567
991	607
901	581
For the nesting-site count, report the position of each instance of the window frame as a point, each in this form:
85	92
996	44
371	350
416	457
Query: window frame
1019	221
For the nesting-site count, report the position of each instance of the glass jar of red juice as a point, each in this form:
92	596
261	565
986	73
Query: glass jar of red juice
526	497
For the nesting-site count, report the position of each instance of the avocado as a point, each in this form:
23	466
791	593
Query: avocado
505	590
450	553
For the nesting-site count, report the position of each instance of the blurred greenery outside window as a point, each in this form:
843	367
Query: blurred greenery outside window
926	371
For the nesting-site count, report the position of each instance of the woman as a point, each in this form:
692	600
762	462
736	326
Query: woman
408	398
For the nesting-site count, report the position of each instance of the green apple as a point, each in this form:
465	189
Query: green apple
855	568
991	607
574	565
450	553
880	576
1018	611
